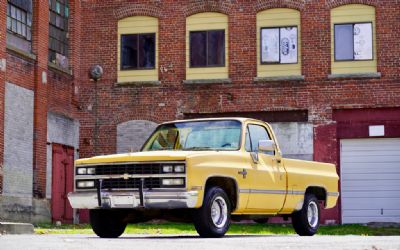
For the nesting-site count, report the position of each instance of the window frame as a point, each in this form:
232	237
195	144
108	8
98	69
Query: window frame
64	44
353	60
23	22
280	27
250	139
241	139
137	57
207	66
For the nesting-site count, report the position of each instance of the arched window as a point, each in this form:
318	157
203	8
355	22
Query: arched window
207	46
353	39
137	49
278	43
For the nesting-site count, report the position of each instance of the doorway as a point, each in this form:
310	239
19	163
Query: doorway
62	182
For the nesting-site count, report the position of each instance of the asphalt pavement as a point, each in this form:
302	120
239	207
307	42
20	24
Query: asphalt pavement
184	242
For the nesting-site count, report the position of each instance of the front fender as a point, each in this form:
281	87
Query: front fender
202	167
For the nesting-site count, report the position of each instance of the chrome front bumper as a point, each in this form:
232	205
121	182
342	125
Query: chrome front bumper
152	199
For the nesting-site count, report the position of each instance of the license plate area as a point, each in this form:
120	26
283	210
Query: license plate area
123	201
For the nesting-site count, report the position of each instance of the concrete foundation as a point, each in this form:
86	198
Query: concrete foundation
24	209
16	228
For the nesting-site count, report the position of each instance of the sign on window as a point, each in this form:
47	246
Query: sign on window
269	45
363	41
279	45
288	45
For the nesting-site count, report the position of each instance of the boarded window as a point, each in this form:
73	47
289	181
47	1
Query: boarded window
138	51
58	32
279	45
207	48
353	42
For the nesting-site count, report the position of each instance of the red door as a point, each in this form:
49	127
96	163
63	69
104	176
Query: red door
62	183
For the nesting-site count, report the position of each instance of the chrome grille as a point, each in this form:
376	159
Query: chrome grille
120	169
120	183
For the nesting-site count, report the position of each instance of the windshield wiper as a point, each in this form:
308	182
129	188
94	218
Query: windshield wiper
196	148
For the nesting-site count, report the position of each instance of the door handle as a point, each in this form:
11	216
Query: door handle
244	173
276	159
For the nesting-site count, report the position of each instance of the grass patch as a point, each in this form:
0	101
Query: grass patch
243	229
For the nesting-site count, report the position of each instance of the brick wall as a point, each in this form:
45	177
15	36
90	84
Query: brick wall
28	70
3	54
172	99
40	48
93	40
317	94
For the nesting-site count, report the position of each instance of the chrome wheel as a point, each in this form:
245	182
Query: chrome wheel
312	214
219	212
213	219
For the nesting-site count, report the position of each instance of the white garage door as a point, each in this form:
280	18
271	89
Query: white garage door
370	180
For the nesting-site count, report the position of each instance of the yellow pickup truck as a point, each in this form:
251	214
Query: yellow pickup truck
205	171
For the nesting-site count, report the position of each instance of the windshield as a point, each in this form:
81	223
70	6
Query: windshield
199	135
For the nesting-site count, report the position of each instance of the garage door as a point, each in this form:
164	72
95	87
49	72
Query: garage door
370	180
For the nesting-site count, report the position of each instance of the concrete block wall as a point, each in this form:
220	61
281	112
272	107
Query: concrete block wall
131	135
17	202
18	141
295	139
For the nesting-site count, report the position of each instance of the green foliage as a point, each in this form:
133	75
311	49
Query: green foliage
242	229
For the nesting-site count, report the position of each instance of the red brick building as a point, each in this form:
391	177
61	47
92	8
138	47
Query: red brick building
331	91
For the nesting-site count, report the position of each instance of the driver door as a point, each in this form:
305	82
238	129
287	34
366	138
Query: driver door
267	177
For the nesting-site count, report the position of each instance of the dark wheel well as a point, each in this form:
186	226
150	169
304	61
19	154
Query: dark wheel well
228	185
319	192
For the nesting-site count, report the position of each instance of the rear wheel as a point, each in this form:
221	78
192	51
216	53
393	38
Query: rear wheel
107	223
213	219
306	221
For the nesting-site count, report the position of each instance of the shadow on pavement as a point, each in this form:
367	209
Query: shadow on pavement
168	237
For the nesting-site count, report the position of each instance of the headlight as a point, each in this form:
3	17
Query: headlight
179	168
173	168
85	171
173	182
85	184
168	168
91	170
81	171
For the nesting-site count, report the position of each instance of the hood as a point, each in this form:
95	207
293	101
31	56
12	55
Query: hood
139	157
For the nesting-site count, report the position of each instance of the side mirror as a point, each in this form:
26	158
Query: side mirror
266	146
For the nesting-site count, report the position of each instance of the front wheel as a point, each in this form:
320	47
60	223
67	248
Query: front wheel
107	223
213	219
306	221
